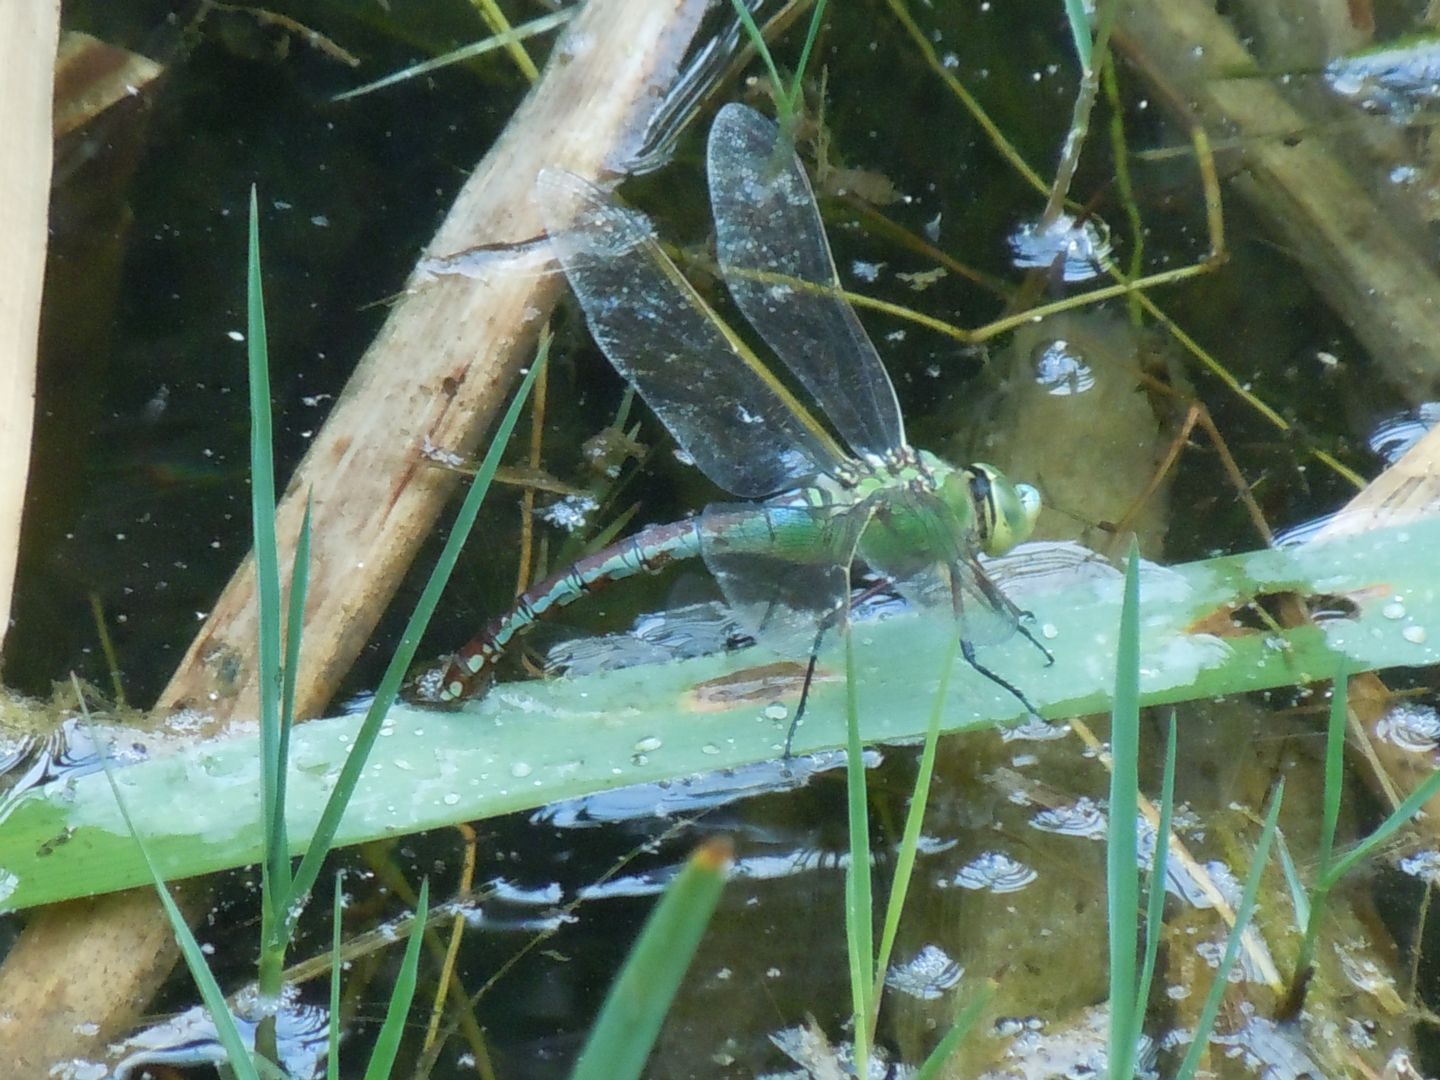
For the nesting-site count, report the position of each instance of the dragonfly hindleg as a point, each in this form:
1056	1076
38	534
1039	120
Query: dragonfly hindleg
967	650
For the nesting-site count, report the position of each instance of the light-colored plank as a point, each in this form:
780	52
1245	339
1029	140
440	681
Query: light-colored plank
27	53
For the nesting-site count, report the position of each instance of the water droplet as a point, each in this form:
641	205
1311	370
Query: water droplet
519	770
648	744
710	748
1414	634
776	711
1393	610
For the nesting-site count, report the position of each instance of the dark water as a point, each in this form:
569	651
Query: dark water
139	495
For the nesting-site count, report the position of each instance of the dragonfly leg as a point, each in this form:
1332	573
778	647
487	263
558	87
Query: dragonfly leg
1030	637
1022	617
967	648
820	629
968	651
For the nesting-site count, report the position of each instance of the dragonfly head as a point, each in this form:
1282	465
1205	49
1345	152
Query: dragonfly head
1004	511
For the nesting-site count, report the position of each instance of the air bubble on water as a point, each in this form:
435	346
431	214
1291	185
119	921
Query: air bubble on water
927	976
1061	369
1410	726
994	871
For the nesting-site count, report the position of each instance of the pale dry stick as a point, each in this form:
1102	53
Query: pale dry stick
452	946
437	372
538	398
27	51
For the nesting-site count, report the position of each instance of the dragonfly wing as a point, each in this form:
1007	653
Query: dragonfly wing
783	569
737	423
933	560
768	230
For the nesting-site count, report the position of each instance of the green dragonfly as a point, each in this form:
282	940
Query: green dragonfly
784	563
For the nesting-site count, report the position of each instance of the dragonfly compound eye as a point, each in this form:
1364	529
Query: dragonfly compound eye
1006	511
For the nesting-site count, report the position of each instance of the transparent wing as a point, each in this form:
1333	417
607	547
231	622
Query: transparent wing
782	569
933	558
742	428
768	229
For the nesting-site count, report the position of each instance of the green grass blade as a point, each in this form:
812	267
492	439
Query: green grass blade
933	1066
387	1043
1397	819
1079	31
859	918
1293	882
1206	1022
625	1031
797	86
210	991
294	633
337	942
275	871
786	115
914	823
1122	868
1155	899
1314	905
331	816
1334	766
541	25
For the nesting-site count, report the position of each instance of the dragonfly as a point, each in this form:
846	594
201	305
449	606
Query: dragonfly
816	504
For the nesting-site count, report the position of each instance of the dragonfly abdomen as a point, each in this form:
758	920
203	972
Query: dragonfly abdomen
647	552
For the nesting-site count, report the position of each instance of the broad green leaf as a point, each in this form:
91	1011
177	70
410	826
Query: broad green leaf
530	743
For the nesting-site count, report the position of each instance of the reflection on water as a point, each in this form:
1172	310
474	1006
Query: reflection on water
1411	726
1393	437
190	1039
31	759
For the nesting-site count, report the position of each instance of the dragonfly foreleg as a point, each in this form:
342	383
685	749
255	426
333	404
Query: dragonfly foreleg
1030	637
998	599
967	648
